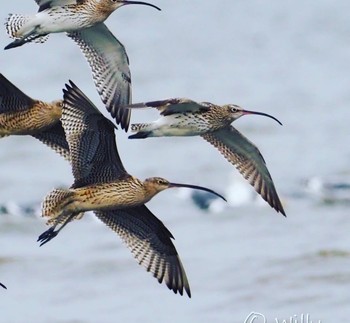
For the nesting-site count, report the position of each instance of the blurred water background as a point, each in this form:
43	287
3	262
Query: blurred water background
286	58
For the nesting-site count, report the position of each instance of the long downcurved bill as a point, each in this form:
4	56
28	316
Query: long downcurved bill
201	188
261	114
140	2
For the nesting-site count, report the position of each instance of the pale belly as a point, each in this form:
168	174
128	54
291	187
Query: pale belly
170	131
179	125
54	21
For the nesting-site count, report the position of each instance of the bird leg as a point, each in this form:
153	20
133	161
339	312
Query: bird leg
51	233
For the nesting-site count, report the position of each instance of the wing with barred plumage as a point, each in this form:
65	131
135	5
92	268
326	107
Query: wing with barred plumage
109	64
150	243
91	140
12	99
55	138
173	106
246	157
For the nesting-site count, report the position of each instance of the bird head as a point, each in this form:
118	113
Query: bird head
235	112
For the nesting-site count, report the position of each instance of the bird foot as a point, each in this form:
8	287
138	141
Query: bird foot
47	236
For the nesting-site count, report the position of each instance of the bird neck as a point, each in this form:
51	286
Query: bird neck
149	191
104	9
218	117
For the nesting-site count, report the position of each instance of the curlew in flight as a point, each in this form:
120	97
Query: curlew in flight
22	115
118	199
184	117
83	21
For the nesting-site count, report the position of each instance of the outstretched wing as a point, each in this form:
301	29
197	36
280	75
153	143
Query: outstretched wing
91	140
243	154
12	99
150	243
172	106
55	138
109	64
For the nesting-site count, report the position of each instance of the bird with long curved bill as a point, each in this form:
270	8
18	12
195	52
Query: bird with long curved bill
118	199
83	22
184	117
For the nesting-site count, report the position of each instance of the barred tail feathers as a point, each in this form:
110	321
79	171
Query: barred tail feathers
14	24
55	201
142	131
135	127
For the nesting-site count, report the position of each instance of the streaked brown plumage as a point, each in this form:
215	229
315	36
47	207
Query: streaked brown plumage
103	185
126	192
22	115
184	117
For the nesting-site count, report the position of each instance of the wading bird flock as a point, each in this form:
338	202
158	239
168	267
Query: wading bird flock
75	129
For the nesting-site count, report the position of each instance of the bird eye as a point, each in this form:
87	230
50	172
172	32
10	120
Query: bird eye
162	181
234	109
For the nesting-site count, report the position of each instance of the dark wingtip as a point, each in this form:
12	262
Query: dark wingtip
119	113
180	290
279	208
283	213
124	119
68	87
2	285
71	85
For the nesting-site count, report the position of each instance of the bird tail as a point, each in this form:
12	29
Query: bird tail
140	129
14	25
55	202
